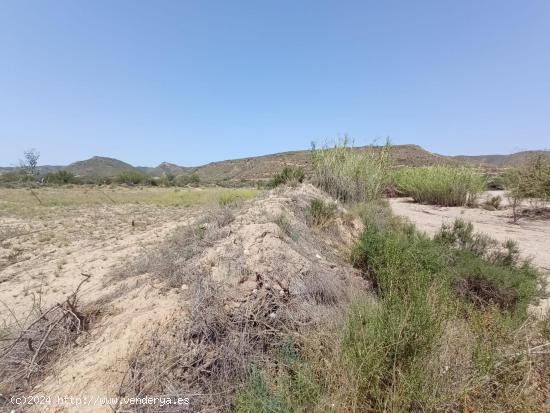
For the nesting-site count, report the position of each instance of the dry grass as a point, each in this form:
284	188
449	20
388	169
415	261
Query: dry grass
21	202
168	260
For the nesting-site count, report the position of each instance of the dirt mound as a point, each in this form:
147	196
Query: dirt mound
191	316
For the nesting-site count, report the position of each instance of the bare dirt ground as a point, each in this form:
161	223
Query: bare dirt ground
267	252
532	233
48	248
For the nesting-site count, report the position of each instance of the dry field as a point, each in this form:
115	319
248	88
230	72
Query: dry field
45	247
49	247
158	271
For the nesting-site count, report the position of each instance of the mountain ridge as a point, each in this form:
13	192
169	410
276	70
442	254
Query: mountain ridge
265	166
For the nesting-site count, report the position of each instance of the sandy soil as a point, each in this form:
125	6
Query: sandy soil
533	235
43	257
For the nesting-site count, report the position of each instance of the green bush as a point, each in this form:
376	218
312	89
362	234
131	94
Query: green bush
351	174
292	388
440	185
61	177
320	212
531	180
496	182
423	285
131	178
16	176
184	180
289	175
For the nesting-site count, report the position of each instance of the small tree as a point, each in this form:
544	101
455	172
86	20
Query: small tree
30	162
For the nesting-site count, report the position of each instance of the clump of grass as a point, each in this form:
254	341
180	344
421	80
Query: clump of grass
286	226
351	174
291	175
441	185
320	212
229	199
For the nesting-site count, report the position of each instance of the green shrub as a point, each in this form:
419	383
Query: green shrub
184	180
61	177
320	213
289	175
131	178
16	176
496	182
440	185
423	284
351	174
531	180
292	388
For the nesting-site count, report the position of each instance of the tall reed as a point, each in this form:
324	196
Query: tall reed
440	185
351	174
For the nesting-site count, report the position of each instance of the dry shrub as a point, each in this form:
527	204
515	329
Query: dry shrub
30	347
484	293
168	261
492	203
209	357
322	288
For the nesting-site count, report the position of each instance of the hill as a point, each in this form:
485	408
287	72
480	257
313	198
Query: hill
503	161
265	166
99	166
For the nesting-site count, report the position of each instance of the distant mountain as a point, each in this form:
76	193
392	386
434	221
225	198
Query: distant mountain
503	161
264	167
167	168
99	166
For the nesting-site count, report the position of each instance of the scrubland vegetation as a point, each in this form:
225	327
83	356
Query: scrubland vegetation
291	175
449	329
444	328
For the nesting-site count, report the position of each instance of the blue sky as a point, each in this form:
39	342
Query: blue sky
193	82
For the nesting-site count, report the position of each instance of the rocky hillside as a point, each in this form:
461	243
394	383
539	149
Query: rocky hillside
503	161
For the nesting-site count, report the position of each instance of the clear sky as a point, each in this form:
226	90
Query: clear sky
193	82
